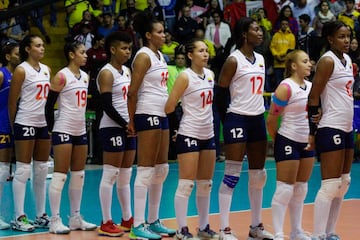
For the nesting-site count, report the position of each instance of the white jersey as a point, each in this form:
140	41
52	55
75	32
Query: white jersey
196	102
72	104
33	95
337	101
294	122
152	94
247	85
120	88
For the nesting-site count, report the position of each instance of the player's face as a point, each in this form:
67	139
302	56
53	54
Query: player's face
157	35
200	54
255	34
340	42
14	57
122	52
36	50
80	55
180	60
303	64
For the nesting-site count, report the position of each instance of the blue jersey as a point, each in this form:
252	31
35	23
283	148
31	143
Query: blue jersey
4	95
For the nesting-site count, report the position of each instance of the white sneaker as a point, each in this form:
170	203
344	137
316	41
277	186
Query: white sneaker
78	223
300	236
279	236
23	224
259	233
56	226
42	222
4	225
318	238
226	234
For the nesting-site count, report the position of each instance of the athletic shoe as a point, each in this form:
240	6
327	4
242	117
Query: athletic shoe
207	233
226	234
159	228
259	233
184	234
279	236
332	236
57	227
300	236
4	225
23	224
142	232
42	222
318	238
126	224
110	229
78	223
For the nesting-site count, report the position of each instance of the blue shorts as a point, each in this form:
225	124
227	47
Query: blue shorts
287	149
186	144
22	132
145	122
240	128
115	139
64	138
331	139
6	141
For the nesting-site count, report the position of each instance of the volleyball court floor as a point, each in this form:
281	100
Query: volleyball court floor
347	227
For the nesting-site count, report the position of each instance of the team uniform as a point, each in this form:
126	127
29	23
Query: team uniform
244	122
334	133
30	125
152	94
6	139
292	136
115	139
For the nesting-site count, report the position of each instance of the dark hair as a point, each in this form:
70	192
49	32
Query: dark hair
281	13
305	18
143	23
219	12
71	47
330	29
7	48
114	37
189	48
26	42
242	26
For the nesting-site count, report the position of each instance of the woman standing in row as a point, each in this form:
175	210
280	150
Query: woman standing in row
119	148
293	162
69	89
195	143
30	83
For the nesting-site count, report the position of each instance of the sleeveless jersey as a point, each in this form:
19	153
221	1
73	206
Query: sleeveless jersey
294	124
196	102
72	104
152	94
33	95
247	85
120	88
4	95
337	101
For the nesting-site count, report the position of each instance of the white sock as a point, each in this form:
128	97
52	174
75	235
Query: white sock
257	179
296	206
279	205
39	185
123	192
108	178
4	174
333	214
231	176
203	189
55	189
181	201
75	191
22	175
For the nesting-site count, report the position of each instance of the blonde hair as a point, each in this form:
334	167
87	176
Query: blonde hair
291	58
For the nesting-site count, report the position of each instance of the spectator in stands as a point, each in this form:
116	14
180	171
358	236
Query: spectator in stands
123	25
85	35
89	19
286	12
263	20
155	10
350	15
307	39
186	26
75	10
107	26
336	6
324	15
234	11
282	41
12	30
207	16
196	12
282	3
168	48
130	10
304	7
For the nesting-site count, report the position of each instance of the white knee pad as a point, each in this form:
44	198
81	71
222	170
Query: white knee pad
329	188
22	172
184	188
257	178
109	175
231	173
300	191
160	174
57	182
77	179
124	177
203	187
283	193
4	171
345	184
143	176
40	171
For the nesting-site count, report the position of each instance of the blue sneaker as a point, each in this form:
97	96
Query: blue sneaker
332	236
159	228
143	232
